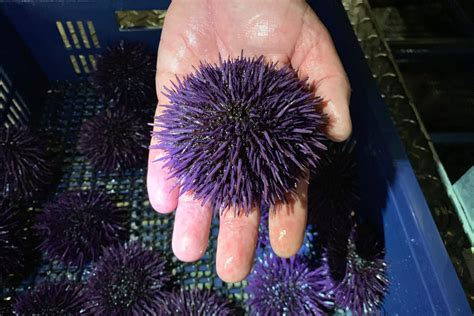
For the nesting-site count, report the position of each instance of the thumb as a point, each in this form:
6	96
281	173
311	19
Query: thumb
323	68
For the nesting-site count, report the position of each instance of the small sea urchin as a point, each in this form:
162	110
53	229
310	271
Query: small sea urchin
76	227
336	180
359	271
24	166
334	190
125	75
196	303
128	280
12	241
114	140
48	298
279	286
240	133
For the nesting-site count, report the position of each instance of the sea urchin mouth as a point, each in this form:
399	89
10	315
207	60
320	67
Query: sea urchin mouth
240	133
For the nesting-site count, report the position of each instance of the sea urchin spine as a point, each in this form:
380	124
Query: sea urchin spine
336	180
25	169
114	140
196	303
125	75
240	133
128	280
279	286
263	240
358	271
333	194
12	240
48	298
76	227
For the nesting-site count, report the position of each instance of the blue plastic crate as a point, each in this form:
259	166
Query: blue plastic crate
423	281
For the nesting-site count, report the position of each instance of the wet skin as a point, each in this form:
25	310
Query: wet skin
285	31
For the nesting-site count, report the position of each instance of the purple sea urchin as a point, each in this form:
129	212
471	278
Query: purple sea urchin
196	303
48	298
336	179
12	241
76	227
5	308
240	133
128	280
125	75
334	190
24	167
359	271
263	232
114	140
279	286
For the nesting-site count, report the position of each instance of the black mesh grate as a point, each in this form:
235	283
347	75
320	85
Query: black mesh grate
67	105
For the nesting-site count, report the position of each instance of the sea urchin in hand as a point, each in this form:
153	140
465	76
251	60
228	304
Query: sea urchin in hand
48	298
128	280
125	75
115	139
76	227
240	133
358	270
279	286
24	166
196	303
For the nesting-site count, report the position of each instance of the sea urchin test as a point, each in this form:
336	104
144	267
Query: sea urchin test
240	133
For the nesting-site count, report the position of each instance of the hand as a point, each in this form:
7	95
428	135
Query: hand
285	31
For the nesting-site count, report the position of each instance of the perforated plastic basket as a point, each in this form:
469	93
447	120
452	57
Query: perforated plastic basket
53	46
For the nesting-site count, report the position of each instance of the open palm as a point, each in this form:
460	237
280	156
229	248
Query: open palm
285	31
